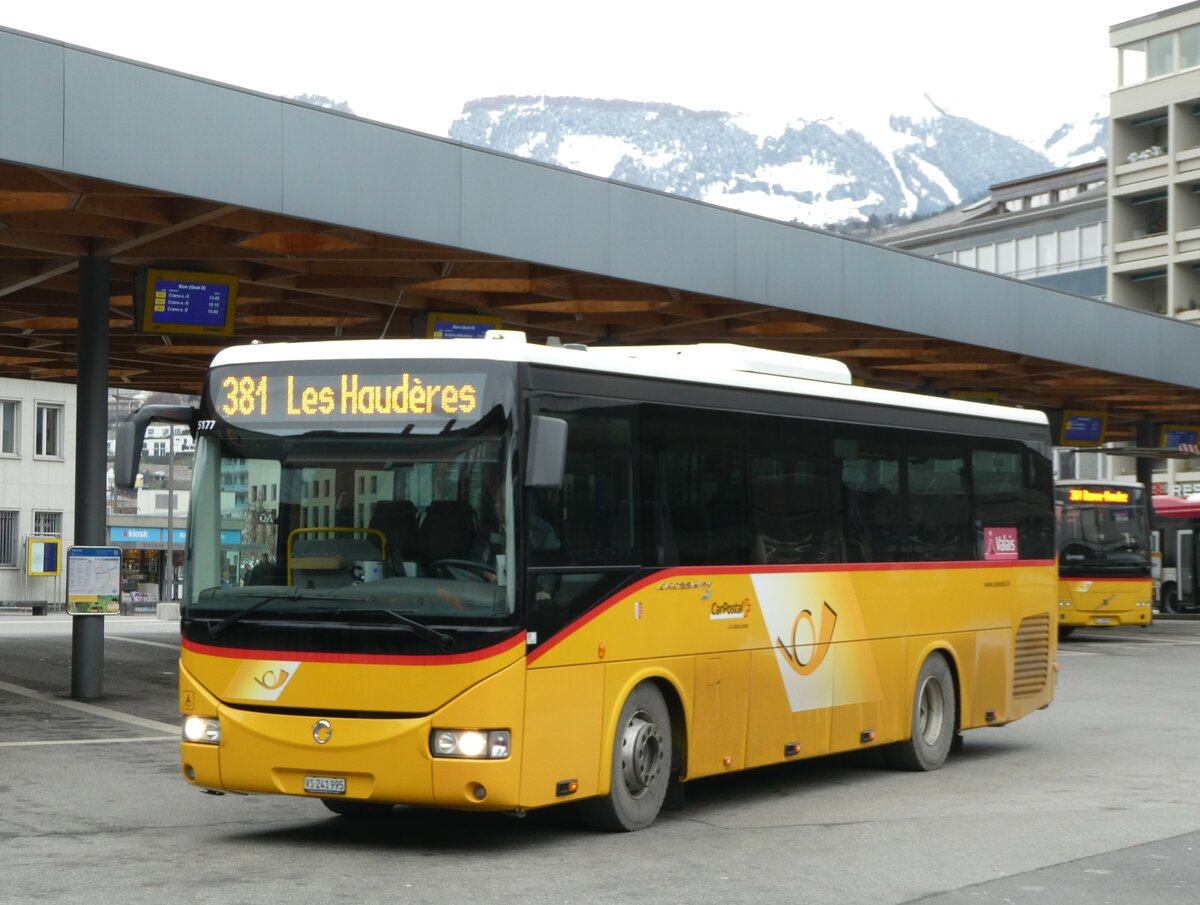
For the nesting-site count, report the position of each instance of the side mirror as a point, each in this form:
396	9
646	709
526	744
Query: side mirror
547	452
131	433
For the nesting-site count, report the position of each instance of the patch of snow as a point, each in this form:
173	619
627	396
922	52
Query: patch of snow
527	149
597	155
804	175
938	178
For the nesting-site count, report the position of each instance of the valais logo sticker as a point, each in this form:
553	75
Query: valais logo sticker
999	543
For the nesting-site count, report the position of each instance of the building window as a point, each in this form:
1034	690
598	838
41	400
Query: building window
1069	192
1160	55
966	257
49	431
1133	63
1006	257
1026	256
9	546
47	523
10	411
1041	199
1189	47
1016	204
1089	243
1047	252
1068	246
987	258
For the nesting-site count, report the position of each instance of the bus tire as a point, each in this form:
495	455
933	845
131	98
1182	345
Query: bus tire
359	810
1170	600
933	720
640	765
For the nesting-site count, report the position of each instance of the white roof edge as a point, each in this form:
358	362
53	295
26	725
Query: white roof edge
713	364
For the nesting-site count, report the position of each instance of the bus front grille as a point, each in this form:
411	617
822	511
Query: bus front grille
1031	669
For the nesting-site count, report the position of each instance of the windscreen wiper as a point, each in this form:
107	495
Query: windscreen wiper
263	600
420	629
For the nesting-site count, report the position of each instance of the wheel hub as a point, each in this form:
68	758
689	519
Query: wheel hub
641	754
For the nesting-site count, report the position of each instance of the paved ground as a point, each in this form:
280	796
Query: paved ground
1095	800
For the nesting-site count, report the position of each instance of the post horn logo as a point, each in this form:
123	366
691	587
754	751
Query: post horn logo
807	651
322	731
272	680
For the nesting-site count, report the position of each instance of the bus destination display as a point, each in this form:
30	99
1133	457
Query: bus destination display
1098	495
253	397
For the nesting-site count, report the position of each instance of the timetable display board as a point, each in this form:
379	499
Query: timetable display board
1082	428
1173	436
185	302
43	555
93	581
460	326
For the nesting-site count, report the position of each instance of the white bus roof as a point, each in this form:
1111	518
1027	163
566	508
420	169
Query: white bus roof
716	364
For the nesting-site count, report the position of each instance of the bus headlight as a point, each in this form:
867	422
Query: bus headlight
204	730
1064	603
488	744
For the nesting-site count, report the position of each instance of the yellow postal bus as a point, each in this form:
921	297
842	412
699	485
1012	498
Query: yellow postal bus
493	575
1103	555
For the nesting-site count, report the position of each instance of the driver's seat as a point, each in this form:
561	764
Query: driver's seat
447	530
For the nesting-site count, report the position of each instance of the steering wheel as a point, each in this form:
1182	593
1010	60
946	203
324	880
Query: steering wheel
463	568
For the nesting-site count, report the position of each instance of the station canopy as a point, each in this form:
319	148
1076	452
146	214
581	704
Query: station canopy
326	221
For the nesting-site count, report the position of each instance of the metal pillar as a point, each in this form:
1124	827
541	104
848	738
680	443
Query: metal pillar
91	426
1144	467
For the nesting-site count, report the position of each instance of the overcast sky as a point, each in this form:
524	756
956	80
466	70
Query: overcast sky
1021	67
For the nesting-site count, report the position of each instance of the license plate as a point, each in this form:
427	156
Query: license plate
325	785
1102	620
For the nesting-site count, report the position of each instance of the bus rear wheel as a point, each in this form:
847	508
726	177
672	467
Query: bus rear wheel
640	765
933	720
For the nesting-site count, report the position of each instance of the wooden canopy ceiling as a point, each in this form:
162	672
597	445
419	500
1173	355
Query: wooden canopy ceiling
302	280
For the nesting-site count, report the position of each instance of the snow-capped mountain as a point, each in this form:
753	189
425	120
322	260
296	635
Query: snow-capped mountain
1078	143
816	172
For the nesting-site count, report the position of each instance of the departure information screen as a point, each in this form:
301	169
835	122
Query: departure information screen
365	396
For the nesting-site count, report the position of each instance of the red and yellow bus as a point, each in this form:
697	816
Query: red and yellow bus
1103	555
495	575
1174	520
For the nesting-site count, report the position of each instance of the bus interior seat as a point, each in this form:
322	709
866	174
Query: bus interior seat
397	519
447	531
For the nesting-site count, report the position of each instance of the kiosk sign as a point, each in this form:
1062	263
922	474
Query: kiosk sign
93	580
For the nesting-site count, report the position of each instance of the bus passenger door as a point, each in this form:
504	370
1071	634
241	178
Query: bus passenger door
1185	566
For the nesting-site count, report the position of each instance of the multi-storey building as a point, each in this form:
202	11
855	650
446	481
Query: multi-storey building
1048	229
37	482
1154	163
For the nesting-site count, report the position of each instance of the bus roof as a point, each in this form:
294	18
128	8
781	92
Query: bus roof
1176	507
719	364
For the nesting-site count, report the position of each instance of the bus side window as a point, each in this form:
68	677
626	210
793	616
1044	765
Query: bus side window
1010	487
939	510
870	467
792	514
693	486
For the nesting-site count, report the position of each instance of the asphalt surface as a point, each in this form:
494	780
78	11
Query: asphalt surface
1095	800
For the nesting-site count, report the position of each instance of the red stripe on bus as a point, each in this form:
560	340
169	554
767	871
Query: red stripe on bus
373	659
701	572
1106	580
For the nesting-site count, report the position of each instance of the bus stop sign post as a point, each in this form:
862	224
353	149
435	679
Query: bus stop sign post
93	591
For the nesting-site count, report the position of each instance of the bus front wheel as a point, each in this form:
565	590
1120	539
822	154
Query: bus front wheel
640	765
1170	600
933	720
